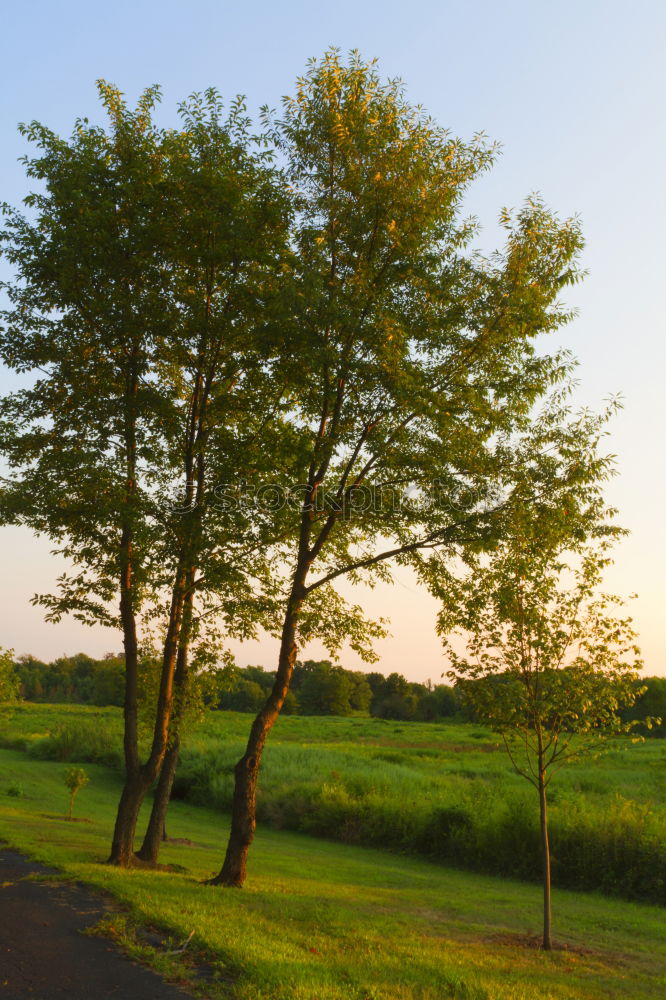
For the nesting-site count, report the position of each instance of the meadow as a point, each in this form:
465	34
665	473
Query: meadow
445	792
319	920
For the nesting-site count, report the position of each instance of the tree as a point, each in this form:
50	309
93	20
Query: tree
650	706
548	664
440	702
393	698
75	779
360	694
198	686
411	357
142	277
9	680
245	696
325	689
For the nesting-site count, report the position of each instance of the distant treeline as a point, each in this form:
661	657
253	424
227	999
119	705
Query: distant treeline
318	688
77	679
321	688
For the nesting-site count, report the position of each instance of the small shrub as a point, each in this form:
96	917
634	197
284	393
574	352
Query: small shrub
75	778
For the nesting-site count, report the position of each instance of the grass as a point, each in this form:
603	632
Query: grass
327	921
445	792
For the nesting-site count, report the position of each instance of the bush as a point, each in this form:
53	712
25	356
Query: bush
75	779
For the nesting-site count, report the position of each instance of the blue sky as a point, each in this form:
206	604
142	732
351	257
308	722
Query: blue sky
573	91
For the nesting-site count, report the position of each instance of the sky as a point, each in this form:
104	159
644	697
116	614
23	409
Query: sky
573	91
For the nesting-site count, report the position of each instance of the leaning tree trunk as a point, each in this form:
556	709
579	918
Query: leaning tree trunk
155	832
545	856
122	846
244	806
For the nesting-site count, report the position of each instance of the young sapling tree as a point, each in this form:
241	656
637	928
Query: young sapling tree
548	661
75	779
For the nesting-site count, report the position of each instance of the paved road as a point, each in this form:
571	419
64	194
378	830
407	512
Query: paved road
44	956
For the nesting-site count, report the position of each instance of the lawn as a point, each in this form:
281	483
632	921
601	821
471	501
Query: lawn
328	921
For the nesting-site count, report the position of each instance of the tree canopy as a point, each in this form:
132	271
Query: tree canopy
267	360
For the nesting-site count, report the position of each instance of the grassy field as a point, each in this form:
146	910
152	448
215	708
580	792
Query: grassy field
444	792
328	921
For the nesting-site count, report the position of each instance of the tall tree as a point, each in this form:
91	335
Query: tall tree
85	319
547	662
411	356
140	277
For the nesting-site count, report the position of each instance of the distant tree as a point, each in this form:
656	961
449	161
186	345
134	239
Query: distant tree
9	679
547	663
360	694
245	696
108	681
375	680
30	672
394	698
441	702
324	689
649	705
264	678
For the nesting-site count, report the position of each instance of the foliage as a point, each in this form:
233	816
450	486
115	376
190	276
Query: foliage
141	276
321	688
413	355
9	682
79	679
649	708
547	664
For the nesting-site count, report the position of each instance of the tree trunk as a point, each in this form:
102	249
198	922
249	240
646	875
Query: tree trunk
122	847
244	807
545	856
156	831
139	777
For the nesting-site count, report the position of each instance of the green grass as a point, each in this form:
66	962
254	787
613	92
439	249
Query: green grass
326	921
444	792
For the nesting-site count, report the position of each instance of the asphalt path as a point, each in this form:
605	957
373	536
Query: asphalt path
43	953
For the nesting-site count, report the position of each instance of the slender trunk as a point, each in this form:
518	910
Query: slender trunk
176	647
156	830
131	797
139	777
244	806
545	856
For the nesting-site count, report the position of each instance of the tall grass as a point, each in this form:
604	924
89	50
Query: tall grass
445	792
